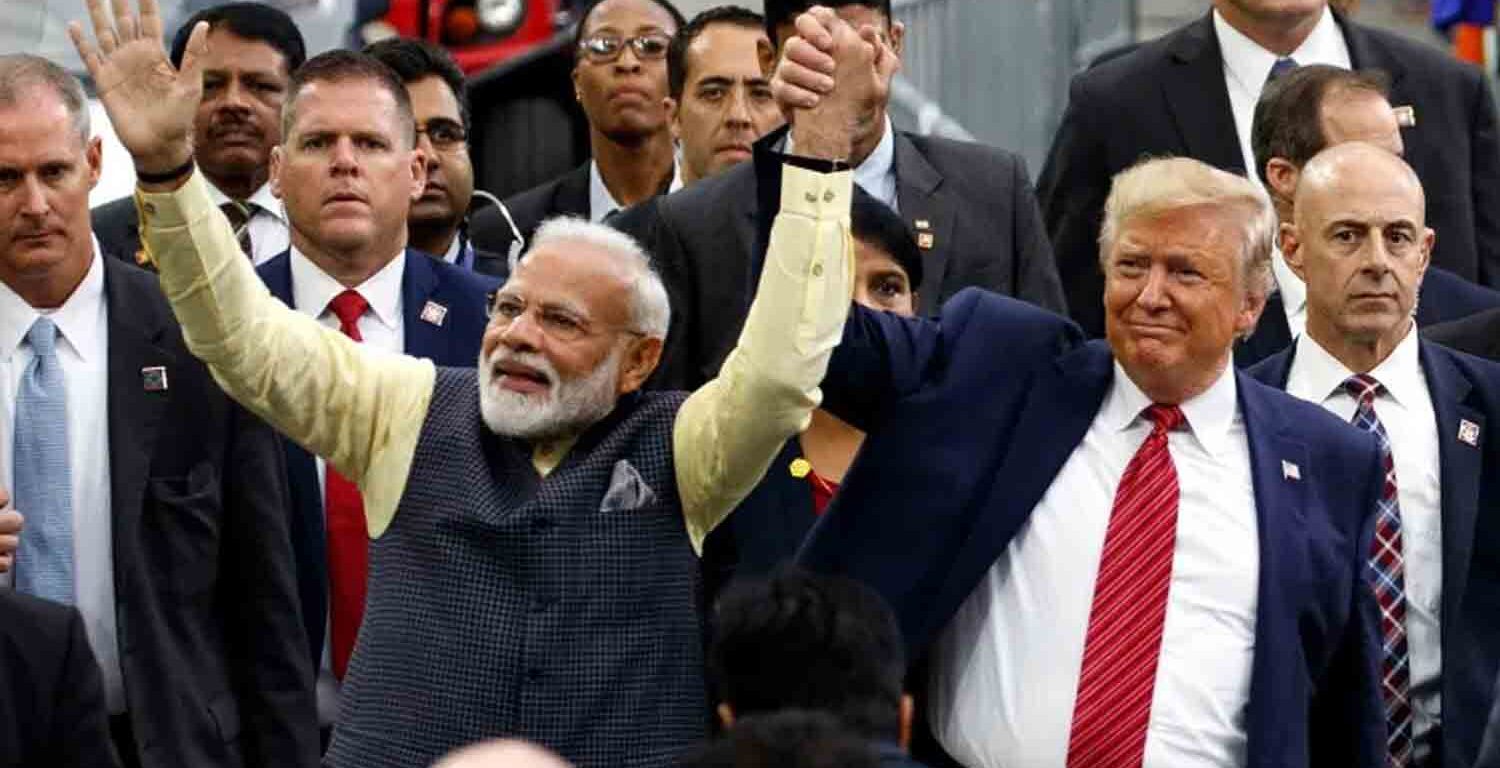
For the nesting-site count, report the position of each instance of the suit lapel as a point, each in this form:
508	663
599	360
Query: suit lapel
917	194
1060	406
1198	99
1278	465
1364	53
571	196
1460	467
277	275
137	324
422	331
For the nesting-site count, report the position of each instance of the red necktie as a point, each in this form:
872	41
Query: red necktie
348	538
1123	643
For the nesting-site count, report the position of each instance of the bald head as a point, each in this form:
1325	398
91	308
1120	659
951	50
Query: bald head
1356	163
502	754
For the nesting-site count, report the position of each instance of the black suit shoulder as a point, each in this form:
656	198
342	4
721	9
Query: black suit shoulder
566	195
52	709
117	225
1477	334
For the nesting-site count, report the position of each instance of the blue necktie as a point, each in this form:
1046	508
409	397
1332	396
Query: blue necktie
43	486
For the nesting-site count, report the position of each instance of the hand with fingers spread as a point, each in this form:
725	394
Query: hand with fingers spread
834	80
10	532
150	103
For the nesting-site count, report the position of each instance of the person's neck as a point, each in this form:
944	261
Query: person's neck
350	268
1279	34
1168	387
633	172
867	136
829	444
51	290
1359	355
434	238
239	187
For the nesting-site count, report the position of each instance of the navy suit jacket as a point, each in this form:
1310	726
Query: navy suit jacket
453	343
1445	297
1464	388
969	419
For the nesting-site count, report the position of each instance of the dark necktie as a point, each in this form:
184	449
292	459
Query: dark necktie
1123	644
348	537
1282	66
239	215
1387	576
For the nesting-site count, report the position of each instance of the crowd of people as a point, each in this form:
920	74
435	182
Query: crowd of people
772	435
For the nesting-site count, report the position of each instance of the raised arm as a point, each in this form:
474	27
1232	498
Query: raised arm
361	411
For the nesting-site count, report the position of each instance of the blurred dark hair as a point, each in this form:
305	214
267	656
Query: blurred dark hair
252	21
677	52
810	641
874	223
779	12
338	66
1288	118
678	20
412	59
788	739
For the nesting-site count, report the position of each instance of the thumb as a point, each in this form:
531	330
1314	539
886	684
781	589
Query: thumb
194	53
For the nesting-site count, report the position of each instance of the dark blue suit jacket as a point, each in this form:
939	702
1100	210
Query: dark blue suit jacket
452	343
1464	388
969	419
766	528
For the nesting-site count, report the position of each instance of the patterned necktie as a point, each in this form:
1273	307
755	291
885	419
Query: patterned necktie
1387	576
348	538
1123	644
43	482
1282	66
239	215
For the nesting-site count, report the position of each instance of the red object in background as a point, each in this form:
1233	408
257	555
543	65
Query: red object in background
460	26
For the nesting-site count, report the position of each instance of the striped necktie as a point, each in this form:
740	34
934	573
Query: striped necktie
1386	572
43	480
1123	644
239	215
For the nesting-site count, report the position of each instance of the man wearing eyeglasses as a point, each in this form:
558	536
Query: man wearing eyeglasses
350	168
620	81
439	218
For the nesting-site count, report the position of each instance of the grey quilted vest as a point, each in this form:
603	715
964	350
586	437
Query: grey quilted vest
502	605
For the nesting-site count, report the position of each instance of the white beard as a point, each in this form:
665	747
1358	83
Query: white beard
567	408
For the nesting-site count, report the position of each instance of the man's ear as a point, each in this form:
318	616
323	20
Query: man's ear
93	154
640	362
278	159
726	715
908	712
672	106
1291	250
1281	177
418	174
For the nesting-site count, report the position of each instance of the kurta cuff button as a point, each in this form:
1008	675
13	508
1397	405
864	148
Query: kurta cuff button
812	197
828	196
817	270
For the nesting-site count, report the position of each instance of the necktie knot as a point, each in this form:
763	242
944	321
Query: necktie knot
1363	387
237	212
1165	417
1282	66
348	307
42	336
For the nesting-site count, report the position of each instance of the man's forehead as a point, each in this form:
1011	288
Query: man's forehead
350	104
571	272
727	50
431	97
228	51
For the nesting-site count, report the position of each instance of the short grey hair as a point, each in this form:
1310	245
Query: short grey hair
1157	185
650	309
21	72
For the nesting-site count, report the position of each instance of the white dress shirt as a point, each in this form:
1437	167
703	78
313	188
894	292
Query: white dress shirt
1246	66
877	174
382	327
268	227
1405	409
83	352
1006	669
602	203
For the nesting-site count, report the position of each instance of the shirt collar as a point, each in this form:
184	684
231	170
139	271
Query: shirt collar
1250	64
1317	375
602	203
1210	413
312	288
76	320
263	199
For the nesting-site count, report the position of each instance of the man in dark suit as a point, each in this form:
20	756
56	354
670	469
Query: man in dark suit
620	81
1304	111
438	220
970	205
254	50
350	266
1477	334
797	640
1359	242
51	700
167	528
1024	504
1199	86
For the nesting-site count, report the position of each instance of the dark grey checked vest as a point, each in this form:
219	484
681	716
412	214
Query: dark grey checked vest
501	605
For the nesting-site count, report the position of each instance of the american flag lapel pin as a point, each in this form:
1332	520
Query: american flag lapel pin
154	378
1290	471
1468	433
433	312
